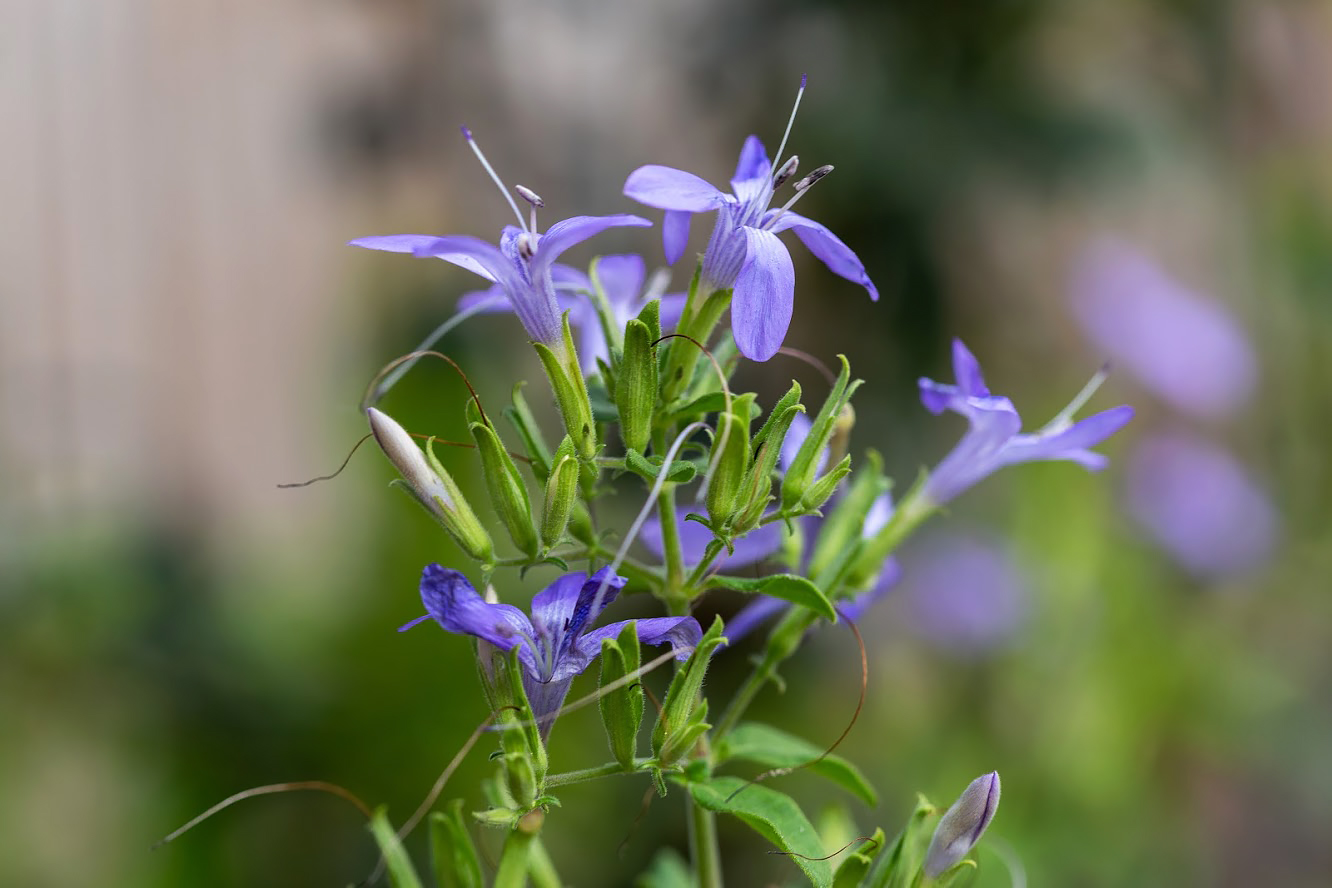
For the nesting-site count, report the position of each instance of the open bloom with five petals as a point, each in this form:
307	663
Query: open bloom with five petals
555	644
744	253
521	267
995	438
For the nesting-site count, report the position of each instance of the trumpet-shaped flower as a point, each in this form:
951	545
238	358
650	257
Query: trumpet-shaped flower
995	439
621	278
521	266
744	254
555	643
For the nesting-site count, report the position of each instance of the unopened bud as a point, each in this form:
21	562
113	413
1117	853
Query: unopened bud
730	462
566	380
508	493
431	485
786	172
561	494
814	176
529	195
636	387
962	825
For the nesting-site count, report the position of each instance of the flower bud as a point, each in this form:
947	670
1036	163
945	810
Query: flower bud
430	485
508	493
636	387
566	379
962	825
800	474
730	462
622	708
561	494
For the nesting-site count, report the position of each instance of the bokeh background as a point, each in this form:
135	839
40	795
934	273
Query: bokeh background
1145	655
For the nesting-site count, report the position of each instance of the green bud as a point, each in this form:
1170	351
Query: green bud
730	462
636	387
840	533
456	863
800	474
622	708
757	491
426	480
681	711
561	494
508	493
525	424
822	490
566	379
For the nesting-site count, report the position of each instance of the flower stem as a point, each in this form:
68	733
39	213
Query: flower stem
677	601
541	867
512	870
703	846
584	774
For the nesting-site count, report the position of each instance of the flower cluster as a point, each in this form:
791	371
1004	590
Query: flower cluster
722	502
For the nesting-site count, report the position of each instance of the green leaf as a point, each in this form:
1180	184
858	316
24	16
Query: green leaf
853	869
774	816
400	871
681	471
455	861
772	748
787	587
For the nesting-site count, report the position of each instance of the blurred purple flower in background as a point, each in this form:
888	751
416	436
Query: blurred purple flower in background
994	439
963	593
1200	505
1185	348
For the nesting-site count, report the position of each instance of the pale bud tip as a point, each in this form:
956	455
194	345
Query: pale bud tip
529	195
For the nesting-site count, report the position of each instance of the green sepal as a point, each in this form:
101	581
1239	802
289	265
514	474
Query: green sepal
843	527
788	587
681	742
401	873
524	423
901	865
457	517
959	875
772	748
800	474
622	708
648	468
767	450
730	461
822	490
452	852
856	865
566	380
508	493
561	494
773	815
636	387
682	695
784	403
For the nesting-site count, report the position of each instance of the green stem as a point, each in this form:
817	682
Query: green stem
674	593
541	867
584	774
703	846
512	871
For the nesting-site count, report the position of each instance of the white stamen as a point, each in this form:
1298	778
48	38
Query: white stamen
1065	416
494	177
534	199
791	121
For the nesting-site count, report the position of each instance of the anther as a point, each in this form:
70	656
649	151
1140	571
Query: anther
529	195
813	177
786	171
526	245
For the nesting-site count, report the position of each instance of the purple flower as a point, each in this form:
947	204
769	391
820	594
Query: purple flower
995	439
744	253
522	266
962	825
1185	348
621	278
555	644
963	594
1200	505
